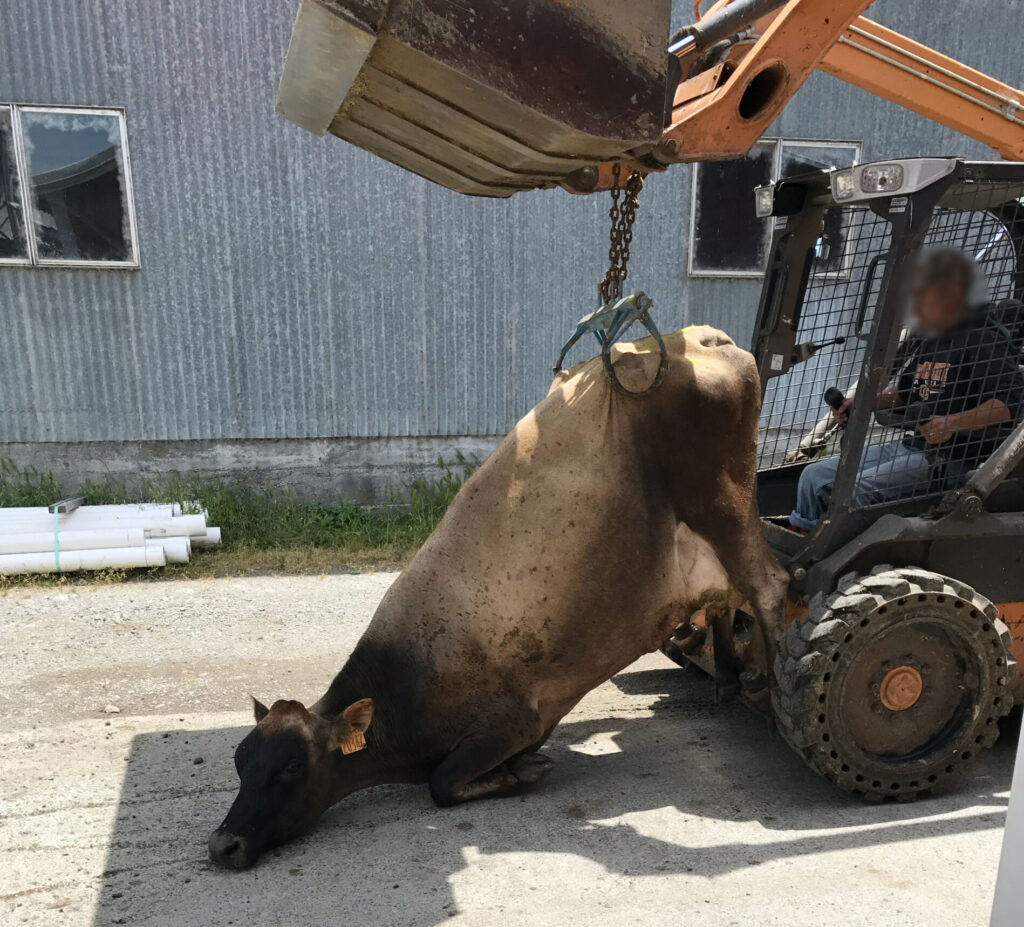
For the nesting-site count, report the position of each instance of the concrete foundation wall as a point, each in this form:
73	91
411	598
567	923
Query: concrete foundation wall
355	469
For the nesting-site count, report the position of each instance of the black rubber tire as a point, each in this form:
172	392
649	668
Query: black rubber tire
819	657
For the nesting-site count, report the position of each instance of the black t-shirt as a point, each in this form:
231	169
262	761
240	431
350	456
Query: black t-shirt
958	371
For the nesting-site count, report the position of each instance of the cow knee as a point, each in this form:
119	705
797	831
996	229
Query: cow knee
443	794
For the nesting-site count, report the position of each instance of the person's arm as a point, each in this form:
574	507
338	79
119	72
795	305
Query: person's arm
887	399
941	428
999	389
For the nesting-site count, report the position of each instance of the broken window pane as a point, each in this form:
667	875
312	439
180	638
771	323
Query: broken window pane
13	244
801	157
76	167
728	238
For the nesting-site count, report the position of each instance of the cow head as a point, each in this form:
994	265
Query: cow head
291	767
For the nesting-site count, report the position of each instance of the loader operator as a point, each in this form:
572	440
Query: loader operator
960	392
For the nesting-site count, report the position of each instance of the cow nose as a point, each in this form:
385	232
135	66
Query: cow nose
228	850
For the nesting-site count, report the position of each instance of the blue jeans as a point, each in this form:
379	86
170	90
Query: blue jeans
887	472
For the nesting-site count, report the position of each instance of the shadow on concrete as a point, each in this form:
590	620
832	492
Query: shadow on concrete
388	856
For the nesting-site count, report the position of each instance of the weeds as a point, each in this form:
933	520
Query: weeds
26	487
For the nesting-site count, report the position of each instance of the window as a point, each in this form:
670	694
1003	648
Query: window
726	238
65	188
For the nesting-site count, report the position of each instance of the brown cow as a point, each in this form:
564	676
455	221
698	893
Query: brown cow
598	525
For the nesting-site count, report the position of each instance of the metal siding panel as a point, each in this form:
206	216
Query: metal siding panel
295	287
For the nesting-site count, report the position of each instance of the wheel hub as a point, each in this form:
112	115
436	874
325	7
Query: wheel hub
901	688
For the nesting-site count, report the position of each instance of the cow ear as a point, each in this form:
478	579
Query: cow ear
259	710
347	732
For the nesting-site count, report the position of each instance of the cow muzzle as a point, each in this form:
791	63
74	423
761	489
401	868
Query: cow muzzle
230	851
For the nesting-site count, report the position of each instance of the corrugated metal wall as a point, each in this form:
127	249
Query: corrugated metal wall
296	287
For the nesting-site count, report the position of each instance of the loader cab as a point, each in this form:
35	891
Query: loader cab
834	314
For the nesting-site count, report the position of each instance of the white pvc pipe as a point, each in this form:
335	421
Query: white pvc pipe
43	541
176	550
211	540
159	508
92	513
114	558
154	526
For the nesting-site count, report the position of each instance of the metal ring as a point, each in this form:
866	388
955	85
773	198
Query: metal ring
606	359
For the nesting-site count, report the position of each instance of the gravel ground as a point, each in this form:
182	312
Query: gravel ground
122	705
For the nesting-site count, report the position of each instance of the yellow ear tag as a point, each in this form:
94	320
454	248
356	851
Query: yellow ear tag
353	743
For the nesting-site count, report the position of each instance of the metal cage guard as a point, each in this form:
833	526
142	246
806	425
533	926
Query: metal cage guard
860	292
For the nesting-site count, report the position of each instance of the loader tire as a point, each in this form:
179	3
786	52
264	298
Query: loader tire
894	683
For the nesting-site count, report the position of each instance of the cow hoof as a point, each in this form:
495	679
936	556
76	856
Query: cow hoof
753	681
726	689
530	767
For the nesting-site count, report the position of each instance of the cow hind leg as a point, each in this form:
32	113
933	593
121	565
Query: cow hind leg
728	665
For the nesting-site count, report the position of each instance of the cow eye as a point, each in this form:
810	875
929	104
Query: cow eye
291	770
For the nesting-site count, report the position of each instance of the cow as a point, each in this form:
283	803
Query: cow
600	523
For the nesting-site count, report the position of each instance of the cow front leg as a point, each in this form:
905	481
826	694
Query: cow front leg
477	768
458	779
469	772
529	768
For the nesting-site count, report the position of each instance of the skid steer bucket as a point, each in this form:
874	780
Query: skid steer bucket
485	97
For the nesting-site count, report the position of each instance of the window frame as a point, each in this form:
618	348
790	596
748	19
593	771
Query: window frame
27	197
779	143
19	170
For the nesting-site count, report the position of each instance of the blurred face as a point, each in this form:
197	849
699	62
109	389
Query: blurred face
937	309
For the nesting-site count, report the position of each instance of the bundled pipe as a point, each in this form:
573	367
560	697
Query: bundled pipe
99	537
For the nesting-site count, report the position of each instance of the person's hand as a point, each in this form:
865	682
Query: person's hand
842	414
937	429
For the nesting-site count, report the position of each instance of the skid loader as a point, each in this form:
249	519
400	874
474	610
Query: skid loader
906	617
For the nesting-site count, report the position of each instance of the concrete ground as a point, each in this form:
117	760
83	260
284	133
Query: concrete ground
121	706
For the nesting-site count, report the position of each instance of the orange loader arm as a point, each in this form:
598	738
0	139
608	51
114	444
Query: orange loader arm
719	113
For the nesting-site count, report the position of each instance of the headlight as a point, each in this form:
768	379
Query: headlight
764	200
843	186
881	178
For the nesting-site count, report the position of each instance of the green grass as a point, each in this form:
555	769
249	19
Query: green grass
265	529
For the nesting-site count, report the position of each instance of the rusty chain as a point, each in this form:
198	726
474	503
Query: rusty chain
621	234
623	216
615	314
